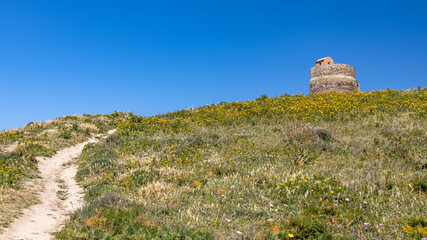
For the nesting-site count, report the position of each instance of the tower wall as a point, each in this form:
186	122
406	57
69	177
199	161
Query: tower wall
333	78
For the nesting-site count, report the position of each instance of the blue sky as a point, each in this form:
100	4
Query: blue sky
148	57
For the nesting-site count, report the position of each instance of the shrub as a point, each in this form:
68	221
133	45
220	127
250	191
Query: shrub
420	183
305	227
323	134
12	168
64	132
31	149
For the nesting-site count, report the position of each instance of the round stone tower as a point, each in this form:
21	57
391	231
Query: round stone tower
329	77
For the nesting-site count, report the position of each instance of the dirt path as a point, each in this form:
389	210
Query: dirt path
11	147
60	196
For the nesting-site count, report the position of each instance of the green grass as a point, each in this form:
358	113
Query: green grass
273	168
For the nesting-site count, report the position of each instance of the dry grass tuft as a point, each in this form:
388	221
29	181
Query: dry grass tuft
156	190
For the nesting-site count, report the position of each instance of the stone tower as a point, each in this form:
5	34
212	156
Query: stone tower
329	77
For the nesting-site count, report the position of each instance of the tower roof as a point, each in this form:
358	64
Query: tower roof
325	60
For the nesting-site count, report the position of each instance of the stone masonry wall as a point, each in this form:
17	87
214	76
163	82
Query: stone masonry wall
333	78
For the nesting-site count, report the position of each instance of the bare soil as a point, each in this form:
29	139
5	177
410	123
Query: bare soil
11	147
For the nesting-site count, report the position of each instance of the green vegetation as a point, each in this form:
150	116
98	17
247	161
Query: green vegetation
20	148
326	166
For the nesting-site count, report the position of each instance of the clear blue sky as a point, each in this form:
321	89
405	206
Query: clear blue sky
148	57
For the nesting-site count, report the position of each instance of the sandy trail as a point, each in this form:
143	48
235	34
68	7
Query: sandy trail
60	196
11	147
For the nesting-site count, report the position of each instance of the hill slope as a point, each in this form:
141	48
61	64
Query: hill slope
326	166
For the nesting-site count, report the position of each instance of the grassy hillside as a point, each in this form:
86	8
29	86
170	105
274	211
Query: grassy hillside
20	147
326	166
